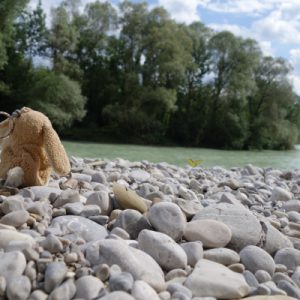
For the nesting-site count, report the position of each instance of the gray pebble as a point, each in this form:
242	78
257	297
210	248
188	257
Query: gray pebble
38	295
290	289
52	244
174	287
250	279
262	276
289	257
121	282
88	287
143	291
65	291
54	275
194	252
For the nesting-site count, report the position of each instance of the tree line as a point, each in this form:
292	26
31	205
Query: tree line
133	74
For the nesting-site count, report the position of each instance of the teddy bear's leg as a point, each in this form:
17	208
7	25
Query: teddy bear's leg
7	161
30	167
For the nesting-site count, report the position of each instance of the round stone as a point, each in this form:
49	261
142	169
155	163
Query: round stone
289	257
211	233
255	258
222	256
167	217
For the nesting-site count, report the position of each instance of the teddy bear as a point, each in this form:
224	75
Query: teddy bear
31	149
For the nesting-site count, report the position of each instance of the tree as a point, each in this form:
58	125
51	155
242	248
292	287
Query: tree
233	60
272	121
58	97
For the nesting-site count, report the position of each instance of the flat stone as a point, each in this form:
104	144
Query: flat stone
132	222
244	226
15	218
211	233
88	287
167	217
255	258
54	275
163	249
289	257
18	288
127	198
141	265
142	291
12	264
210	279
74	227
193	251
222	256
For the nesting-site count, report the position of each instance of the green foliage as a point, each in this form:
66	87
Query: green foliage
135	75
58	97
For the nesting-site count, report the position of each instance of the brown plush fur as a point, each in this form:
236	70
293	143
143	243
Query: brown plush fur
34	146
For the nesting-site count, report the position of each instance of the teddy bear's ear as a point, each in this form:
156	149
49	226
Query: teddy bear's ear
55	151
4	128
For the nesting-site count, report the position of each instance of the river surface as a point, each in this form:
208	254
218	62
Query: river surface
180	155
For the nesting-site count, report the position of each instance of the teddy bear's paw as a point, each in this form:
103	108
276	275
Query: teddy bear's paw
15	177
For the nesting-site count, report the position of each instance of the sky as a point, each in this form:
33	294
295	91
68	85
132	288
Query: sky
275	24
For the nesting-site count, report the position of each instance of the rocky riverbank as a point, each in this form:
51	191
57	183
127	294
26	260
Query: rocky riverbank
123	230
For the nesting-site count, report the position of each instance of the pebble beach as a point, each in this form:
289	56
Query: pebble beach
121	230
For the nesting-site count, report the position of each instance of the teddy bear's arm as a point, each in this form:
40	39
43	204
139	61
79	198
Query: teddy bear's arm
55	151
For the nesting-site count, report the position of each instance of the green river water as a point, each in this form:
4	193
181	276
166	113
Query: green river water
180	155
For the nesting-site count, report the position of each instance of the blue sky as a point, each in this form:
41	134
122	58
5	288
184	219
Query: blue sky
275	24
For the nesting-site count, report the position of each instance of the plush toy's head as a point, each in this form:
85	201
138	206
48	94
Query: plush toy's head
31	145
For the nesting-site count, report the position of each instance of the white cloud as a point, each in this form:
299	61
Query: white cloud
265	45
182	10
295	61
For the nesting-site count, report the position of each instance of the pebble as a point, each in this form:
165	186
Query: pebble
15	218
121	282
244	226
166	217
143	291
118	295
223	256
128	198
12	264
38	295
193	251
118	231
163	249
290	289
52	244
255	258
11	204
88	287
210	279
55	273
213	234
262	276
141	265
289	257
18	288
132	221
280	194
66	196
74	227
102	199
66	291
